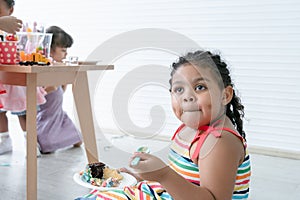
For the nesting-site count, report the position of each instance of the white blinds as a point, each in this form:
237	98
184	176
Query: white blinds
259	39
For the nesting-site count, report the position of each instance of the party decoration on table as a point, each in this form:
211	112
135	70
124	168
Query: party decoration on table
33	59
8	50
34	45
29	47
11	37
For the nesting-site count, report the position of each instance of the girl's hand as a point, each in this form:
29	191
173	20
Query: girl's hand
136	176
50	89
149	167
10	24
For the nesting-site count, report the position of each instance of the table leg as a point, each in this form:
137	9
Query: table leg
83	106
31	110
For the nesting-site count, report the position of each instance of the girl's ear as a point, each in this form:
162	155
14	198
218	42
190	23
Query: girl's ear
227	95
52	51
11	10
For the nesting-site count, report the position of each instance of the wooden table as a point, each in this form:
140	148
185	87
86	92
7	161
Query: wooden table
33	76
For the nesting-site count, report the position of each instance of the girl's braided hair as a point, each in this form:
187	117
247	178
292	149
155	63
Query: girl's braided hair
234	109
10	3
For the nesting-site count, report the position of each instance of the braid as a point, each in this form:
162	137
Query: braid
236	113
234	109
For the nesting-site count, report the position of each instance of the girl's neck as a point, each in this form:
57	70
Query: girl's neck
220	119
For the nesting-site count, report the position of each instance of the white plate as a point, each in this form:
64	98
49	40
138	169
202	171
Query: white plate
127	180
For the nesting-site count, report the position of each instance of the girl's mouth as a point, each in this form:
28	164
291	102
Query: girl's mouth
191	111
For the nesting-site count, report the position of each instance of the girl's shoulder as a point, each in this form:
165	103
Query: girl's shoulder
219	139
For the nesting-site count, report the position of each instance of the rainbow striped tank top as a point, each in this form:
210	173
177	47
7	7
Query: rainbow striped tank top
181	162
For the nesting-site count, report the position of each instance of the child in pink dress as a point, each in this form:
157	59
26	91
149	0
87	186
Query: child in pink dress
14	99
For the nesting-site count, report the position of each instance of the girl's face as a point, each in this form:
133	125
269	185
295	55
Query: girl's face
196	96
59	53
4	9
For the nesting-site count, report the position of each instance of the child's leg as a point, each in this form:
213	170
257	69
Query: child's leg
5	141
22	120
38	152
3	122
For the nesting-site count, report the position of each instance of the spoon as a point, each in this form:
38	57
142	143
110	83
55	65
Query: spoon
137	159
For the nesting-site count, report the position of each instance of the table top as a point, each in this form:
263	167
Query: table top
83	66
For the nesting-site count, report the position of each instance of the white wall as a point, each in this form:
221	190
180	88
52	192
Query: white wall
260	40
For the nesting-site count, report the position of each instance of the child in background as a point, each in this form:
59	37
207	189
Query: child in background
8	24
208	156
14	99
55	129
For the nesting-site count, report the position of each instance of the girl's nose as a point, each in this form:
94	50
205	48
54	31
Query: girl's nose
189	97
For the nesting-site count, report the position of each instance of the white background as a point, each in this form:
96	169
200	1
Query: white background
259	39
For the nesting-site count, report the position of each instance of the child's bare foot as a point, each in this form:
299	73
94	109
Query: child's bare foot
77	144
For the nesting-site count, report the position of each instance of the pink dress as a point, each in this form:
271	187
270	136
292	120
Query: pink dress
14	99
2	91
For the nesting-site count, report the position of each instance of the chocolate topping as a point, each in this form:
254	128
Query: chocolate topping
97	169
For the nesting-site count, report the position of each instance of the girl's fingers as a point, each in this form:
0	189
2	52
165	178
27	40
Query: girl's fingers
143	156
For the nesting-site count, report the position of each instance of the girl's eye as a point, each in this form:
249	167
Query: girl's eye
178	90
200	87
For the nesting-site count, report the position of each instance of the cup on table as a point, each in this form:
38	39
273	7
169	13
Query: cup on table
73	60
8	52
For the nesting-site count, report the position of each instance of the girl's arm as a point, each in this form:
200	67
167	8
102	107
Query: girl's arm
152	168
218	170
10	24
218	164
50	89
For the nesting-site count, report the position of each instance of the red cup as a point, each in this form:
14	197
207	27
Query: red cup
8	52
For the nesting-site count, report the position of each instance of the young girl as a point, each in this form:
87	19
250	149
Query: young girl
208	156
15	97
55	129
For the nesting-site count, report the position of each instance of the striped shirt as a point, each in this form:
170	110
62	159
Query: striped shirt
181	162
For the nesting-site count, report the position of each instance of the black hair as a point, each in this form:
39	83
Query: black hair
234	109
59	38
10	3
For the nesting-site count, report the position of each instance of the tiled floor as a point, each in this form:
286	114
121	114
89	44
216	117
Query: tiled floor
273	178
